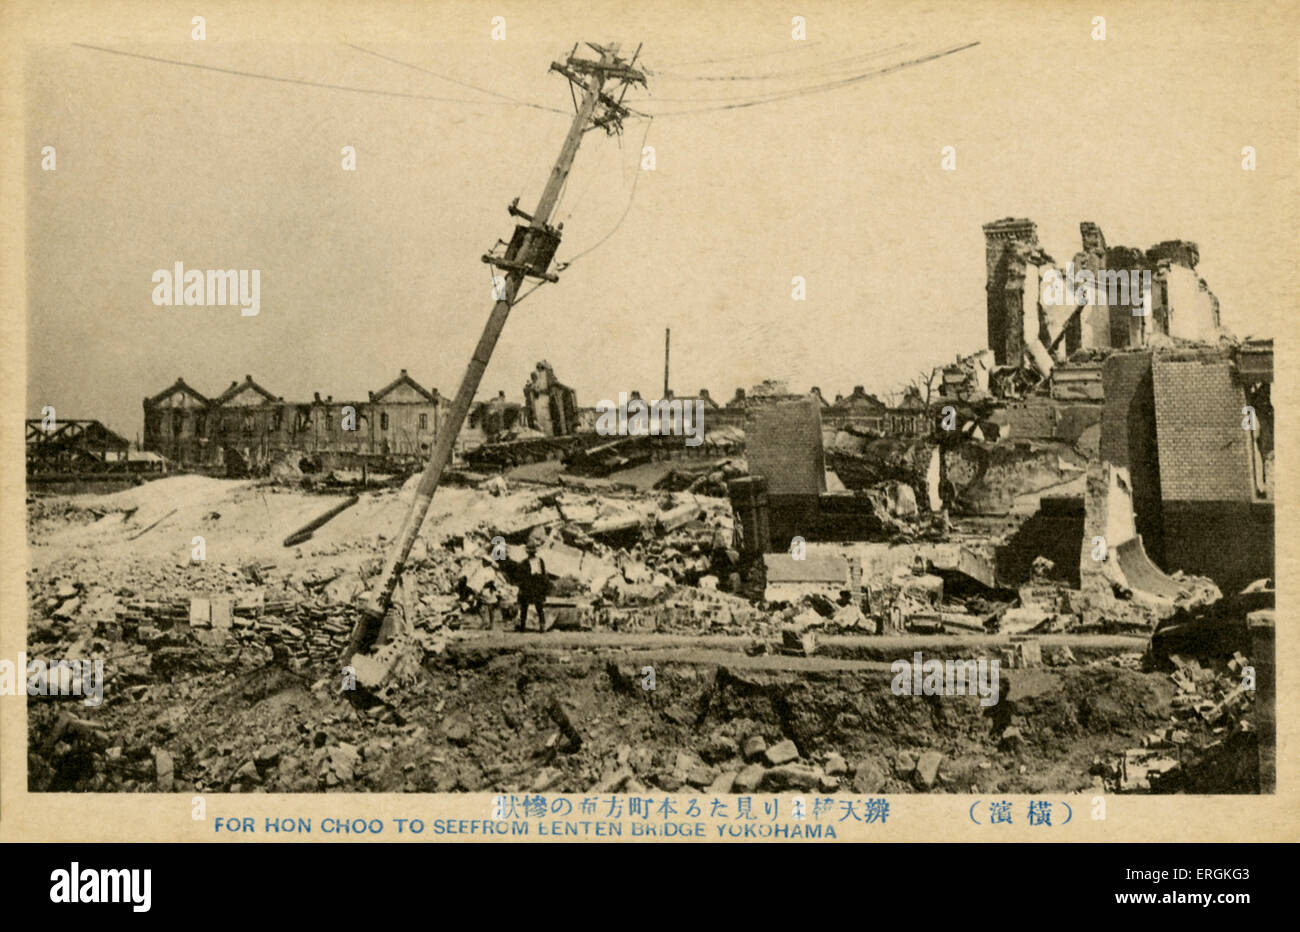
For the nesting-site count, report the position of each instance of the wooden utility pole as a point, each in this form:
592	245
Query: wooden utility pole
528	255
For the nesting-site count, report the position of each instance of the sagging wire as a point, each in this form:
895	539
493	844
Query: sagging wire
820	88
300	81
474	87
784	50
839	64
561	266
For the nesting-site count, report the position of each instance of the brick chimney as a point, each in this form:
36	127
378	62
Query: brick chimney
1005	309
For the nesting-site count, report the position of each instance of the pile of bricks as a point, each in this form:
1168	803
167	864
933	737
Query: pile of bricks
307	632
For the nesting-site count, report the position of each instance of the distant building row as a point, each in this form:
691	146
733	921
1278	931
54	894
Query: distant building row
247	428
860	409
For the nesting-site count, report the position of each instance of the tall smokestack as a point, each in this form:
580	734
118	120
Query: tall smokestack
667	391
1005	288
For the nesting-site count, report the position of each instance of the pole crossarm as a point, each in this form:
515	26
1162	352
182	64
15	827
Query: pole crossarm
609	69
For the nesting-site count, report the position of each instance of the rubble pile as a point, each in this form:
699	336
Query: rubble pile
620	561
1208	743
243	709
905	471
1006	518
711	479
222	670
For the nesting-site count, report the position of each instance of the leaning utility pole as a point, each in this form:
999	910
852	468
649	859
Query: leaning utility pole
528	255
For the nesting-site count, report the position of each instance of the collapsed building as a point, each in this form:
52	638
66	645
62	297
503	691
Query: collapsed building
80	447
71	444
551	406
502	444
1153	384
1107	297
492	419
1144	384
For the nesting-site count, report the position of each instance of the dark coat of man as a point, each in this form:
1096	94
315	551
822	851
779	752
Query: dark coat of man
534	585
530	576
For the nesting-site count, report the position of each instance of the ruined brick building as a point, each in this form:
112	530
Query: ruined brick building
1106	297
1194	427
247	428
1150	382
550	407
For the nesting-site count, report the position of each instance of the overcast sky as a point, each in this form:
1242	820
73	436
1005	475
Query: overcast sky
368	272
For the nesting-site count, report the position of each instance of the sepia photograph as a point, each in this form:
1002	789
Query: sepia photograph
815	407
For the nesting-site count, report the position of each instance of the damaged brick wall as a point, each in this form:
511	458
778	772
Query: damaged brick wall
1128	439
1031	419
1174	422
1230	542
1214	522
783	443
1204	452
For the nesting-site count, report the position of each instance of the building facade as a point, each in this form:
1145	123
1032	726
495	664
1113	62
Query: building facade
247	428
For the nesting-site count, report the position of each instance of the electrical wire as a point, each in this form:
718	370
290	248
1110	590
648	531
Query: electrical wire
300	81
473	87
519	300
817	88
741	101
837	64
756	94
784	50
620	166
784	94
561	266
622	173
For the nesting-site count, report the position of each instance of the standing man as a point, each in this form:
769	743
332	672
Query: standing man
487	605
534	585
